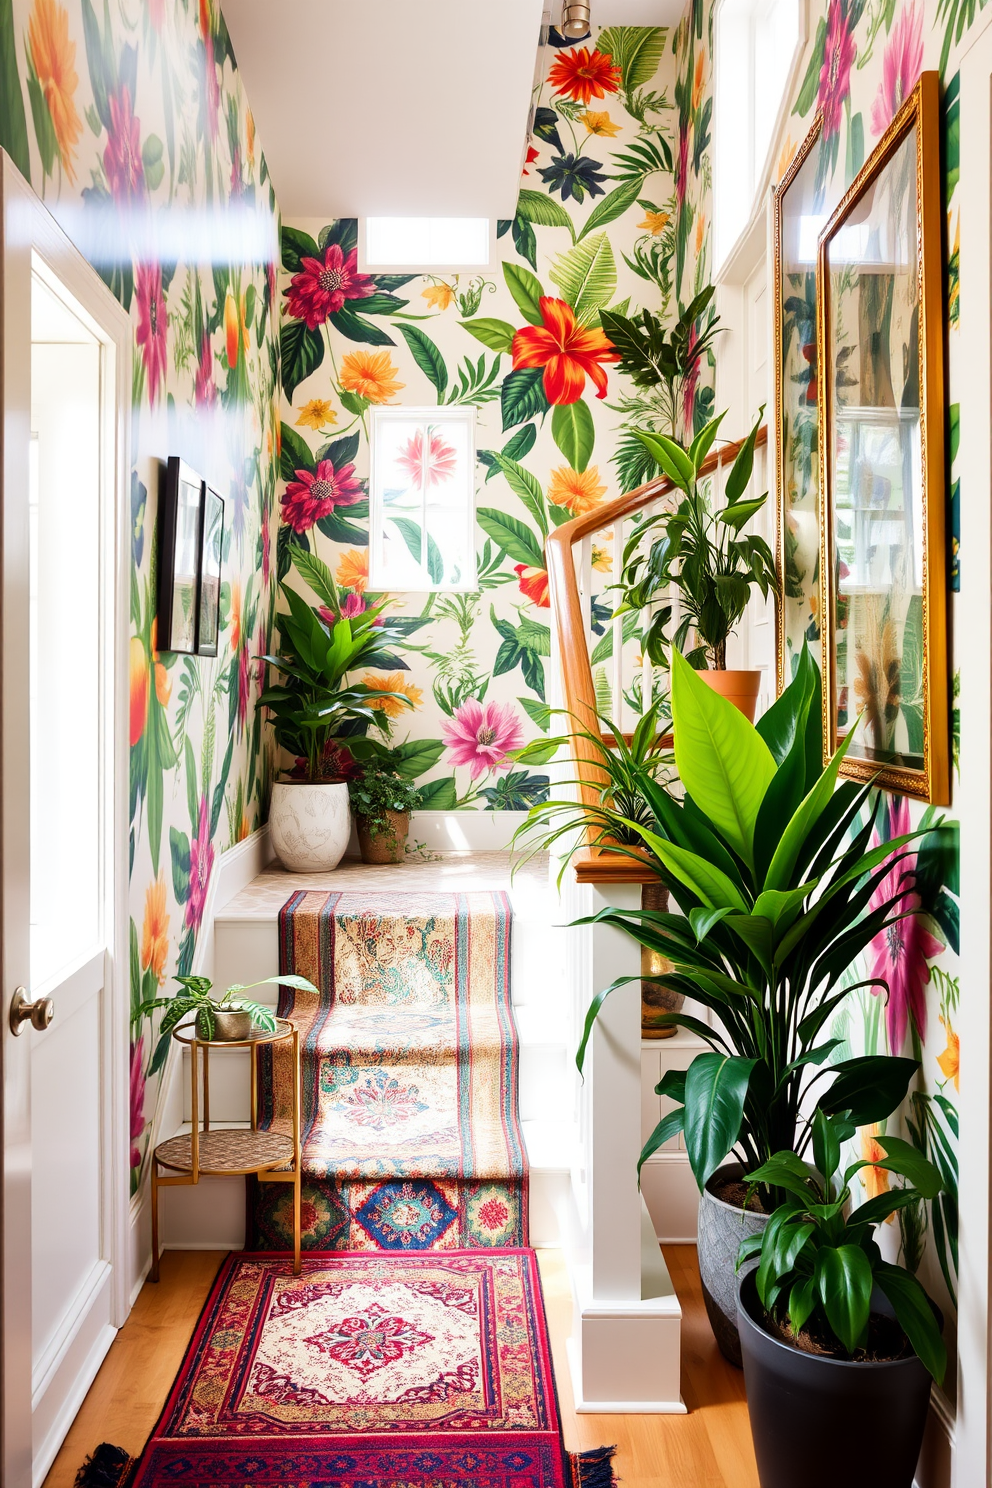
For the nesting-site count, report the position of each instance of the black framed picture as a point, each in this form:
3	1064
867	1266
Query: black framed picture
211	554
180	514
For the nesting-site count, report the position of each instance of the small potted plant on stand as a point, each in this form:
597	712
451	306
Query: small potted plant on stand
382	802
832	1335
228	1018
314	711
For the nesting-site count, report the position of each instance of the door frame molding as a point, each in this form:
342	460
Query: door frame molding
31	241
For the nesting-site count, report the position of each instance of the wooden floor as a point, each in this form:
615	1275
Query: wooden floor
708	1448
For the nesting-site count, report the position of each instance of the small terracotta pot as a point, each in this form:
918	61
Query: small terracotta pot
388	846
656	1000
739	688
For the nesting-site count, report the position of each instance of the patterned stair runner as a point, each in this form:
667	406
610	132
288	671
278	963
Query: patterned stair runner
411	1134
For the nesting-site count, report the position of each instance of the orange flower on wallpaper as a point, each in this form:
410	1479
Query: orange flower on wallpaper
584	75
654	222
601	559
163	687
700	233
785	159
371	375
439	296
250	135
53	57
600	124
138	678
353	569
232	328
155	931
395	682
950	1060
316	415
698	81
568	352
875	1180
235	621
579	491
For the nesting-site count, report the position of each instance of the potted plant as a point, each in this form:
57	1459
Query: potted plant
228	1018
698	550
768	861
831	1333
382	802
314	711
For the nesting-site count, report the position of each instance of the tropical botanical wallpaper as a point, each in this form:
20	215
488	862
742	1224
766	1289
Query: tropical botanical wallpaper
597	225
132	125
861	61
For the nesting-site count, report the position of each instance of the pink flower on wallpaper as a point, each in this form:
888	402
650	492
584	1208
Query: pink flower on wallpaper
481	736
122	156
137	1099
839	51
315	494
204	387
152	330
902	950
322	286
430	465
201	862
901	67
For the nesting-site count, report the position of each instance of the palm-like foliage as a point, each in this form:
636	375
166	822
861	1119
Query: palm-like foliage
820	1260
660	359
318	648
769	863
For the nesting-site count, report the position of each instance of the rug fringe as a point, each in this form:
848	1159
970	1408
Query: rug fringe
107	1467
593	1469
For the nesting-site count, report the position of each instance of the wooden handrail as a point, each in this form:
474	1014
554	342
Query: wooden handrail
592	864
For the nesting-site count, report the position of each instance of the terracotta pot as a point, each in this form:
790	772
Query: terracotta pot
739	688
656	1000
310	824
387	846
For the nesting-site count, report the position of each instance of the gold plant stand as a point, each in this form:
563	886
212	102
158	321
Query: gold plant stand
272	1157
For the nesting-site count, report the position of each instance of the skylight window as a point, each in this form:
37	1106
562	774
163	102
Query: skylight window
426	243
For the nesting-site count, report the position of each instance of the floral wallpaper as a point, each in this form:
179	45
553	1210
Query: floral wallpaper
595	227
862	59
132	125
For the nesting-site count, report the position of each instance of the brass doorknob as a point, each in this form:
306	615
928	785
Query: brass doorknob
39	1014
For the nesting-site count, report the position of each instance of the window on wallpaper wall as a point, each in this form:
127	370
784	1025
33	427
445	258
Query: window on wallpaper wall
422	499
448	243
756	45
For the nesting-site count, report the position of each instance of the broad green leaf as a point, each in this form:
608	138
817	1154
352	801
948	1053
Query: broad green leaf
703	920
416	756
317	575
593	1013
574	432
527	486
515	538
526	291
722	760
636	50
587	277
426	355
901	1157
709	884
439	795
916	1318
844	1281
496	334
826	1145
870	1087
522	395
545	210
669	1126
737	516
715	1090
701	445
302	354
740	472
802	822
613	205
802	1299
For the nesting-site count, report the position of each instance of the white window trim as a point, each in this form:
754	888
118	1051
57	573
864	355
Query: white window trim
398	413
425	268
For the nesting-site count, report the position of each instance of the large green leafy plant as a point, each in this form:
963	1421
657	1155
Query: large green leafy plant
699	550
819	1260
769	862
314	703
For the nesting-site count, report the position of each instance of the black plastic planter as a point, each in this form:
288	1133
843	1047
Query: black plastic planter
824	1422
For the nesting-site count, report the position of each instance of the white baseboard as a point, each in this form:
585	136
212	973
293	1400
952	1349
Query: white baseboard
465	831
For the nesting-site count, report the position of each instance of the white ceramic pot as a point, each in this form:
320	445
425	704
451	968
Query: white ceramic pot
310	825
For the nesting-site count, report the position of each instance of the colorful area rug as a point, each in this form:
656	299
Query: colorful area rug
411	1134
367	1371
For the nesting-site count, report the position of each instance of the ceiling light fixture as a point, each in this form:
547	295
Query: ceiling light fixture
575	18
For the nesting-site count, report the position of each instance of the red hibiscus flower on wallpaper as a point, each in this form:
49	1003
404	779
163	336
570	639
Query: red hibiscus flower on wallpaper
321	287
315	493
583	75
839	51
902	950
568	352
534	584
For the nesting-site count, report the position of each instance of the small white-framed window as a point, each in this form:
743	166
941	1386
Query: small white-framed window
448	243
422	499
757	46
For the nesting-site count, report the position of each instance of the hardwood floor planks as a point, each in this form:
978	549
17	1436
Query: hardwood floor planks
708	1448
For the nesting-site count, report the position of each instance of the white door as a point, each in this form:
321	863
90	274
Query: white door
63	773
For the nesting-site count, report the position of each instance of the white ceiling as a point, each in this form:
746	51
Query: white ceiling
392	108
635	12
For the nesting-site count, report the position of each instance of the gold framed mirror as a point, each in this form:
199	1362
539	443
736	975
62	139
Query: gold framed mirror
880	370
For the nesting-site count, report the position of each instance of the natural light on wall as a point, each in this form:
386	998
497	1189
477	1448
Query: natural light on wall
426	242
755	44
422	499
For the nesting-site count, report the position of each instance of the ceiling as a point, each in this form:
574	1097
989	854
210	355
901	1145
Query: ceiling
399	107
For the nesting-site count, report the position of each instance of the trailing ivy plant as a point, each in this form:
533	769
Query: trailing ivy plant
377	789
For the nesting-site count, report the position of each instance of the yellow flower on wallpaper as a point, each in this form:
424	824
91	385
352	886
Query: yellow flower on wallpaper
600	124
395	682
875	1180
353	569
163	687
950	1060
654	222
316	414
53	57
250	135
700	233
785	159
601	559
579	491
439	296
155	931
371	375
698	81
235	621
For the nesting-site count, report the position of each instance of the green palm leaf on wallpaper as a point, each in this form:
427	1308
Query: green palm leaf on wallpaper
587	277
636	50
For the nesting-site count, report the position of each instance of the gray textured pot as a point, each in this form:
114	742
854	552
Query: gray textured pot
721	1230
